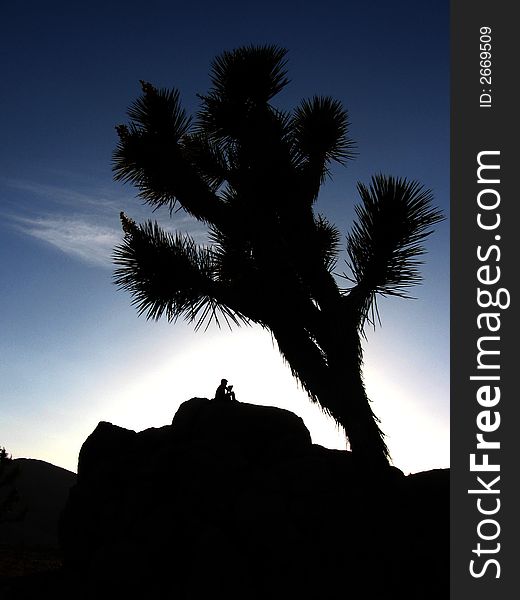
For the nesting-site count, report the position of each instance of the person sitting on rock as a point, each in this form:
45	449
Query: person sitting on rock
230	393
221	393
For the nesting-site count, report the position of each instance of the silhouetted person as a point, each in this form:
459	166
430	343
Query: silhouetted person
221	393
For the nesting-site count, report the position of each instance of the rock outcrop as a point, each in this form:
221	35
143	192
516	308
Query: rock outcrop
233	500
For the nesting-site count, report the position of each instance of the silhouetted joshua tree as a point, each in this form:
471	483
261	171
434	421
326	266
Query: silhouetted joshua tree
252	174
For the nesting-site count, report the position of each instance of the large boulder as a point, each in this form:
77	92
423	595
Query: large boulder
234	500
260	434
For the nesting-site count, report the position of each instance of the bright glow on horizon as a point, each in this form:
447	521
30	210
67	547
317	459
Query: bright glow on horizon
418	440
192	365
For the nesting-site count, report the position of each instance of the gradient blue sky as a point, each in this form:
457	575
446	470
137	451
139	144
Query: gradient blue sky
72	349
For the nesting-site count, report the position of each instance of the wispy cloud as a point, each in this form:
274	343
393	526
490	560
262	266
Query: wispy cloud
84	225
87	241
67	197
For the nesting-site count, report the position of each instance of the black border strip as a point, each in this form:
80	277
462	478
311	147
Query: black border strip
477	126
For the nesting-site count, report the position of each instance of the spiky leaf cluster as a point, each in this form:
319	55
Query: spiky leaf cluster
247	169
383	247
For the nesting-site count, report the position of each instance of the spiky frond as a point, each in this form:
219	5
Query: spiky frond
168	274
328	239
320	129
236	107
208	159
386	241
252	139
158	123
250	74
160	111
233	256
150	154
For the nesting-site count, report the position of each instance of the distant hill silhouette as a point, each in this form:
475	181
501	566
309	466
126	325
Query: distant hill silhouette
43	489
30	556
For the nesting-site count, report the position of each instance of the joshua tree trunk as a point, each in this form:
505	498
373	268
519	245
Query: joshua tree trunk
325	369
